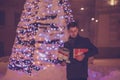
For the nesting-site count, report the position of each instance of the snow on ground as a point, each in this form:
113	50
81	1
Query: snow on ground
51	73
105	69
114	75
3	68
102	69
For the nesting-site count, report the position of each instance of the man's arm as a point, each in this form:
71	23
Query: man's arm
63	63
92	50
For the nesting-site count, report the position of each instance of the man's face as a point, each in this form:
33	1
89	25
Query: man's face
73	32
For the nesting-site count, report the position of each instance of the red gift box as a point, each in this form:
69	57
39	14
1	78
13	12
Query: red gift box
79	51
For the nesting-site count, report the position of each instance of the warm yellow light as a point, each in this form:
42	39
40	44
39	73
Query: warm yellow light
48	65
37	57
112	2
38	62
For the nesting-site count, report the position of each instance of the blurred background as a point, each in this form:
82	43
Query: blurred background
98	20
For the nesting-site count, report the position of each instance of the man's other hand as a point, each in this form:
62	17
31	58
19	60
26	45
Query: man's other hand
80	57
63	64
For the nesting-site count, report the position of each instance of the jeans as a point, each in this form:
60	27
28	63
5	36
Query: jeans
78	79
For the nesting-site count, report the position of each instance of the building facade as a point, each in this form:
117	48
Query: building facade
98	20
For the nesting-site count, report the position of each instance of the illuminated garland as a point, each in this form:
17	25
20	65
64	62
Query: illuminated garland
40	33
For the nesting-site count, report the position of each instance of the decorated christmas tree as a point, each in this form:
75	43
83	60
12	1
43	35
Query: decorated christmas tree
41	31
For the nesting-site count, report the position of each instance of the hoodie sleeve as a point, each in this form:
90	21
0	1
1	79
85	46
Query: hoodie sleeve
92	50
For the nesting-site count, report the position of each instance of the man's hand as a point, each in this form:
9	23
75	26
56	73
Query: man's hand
63	64
80	57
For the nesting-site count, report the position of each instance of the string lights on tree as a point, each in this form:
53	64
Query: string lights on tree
40	32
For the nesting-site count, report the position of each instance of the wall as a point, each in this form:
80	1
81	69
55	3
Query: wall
104	33
8	30
108	29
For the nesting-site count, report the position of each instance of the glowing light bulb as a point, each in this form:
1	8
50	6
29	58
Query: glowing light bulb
112	2
92	19
38	62
82	30
82	8
50	5
37	57
42	55
96	20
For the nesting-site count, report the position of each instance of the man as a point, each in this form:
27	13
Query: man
77	69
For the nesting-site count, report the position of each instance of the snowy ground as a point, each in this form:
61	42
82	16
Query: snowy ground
3	66
101	69
105	69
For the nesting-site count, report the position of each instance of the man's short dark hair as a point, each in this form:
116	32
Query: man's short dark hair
71	25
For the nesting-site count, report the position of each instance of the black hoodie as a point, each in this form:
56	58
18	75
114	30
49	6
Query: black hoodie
79	69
